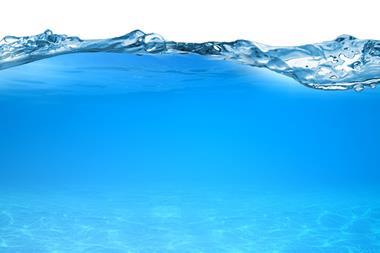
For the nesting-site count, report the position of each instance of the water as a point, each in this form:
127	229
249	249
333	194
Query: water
344	63
115	152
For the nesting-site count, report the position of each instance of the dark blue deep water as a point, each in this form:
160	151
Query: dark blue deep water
116	153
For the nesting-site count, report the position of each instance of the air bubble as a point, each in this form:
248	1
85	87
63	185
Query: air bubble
48	32
10	39
358	87
154	43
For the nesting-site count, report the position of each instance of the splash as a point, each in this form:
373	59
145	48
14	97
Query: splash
341	64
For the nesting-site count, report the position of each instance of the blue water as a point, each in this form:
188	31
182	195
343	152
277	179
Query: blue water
341	64
107	152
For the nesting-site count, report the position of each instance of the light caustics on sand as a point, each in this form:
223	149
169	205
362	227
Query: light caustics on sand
340	64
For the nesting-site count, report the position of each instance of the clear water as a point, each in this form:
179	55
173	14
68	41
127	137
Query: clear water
340	64
112	153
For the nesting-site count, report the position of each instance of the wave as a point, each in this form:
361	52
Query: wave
341	64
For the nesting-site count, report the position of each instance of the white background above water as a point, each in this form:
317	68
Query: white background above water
290	22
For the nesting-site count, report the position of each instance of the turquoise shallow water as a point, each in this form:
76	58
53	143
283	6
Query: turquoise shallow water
189	220
121	153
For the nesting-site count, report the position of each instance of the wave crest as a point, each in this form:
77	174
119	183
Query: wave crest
341	64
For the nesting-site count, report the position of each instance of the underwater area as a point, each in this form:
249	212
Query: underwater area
162	147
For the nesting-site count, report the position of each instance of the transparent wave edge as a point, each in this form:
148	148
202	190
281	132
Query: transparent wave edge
341	64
